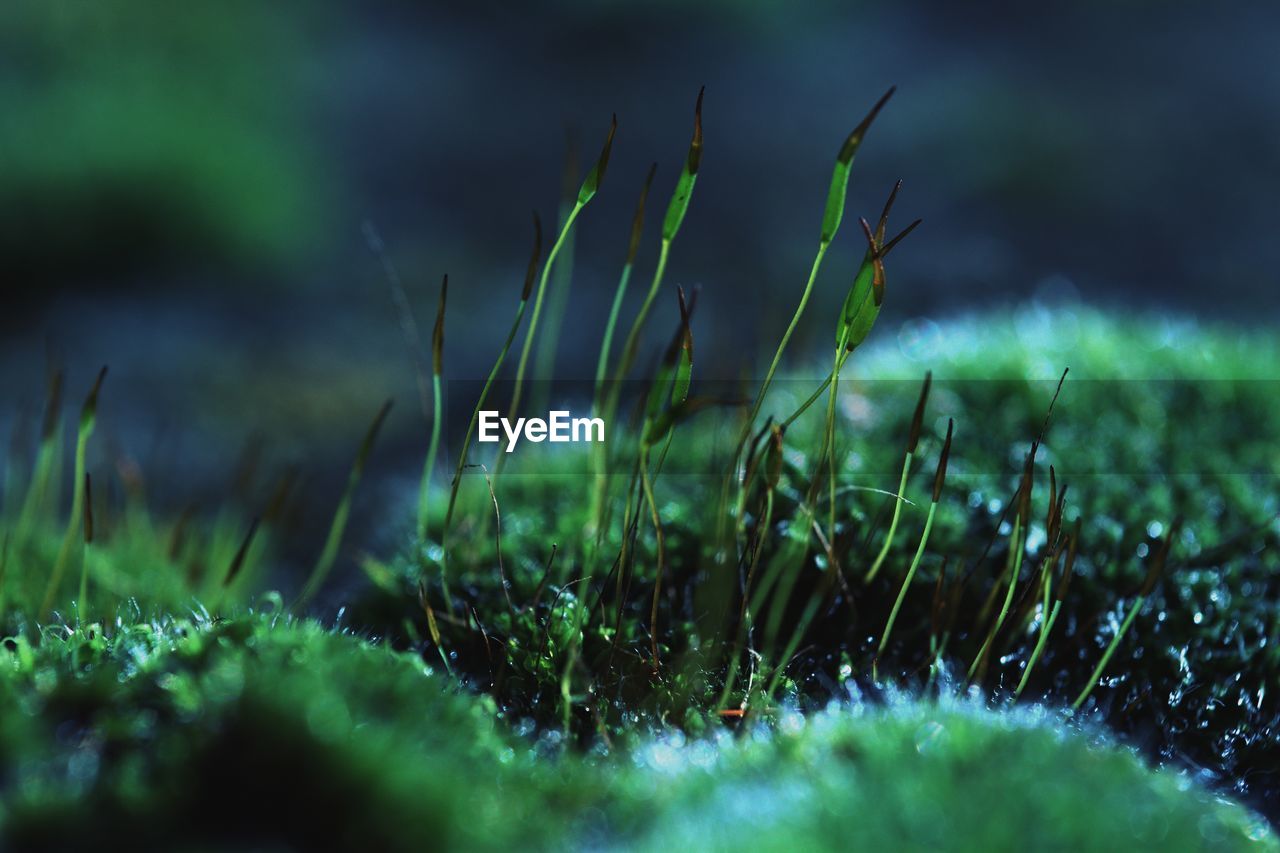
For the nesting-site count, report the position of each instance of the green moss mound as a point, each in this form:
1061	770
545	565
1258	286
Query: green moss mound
262	731
1158	420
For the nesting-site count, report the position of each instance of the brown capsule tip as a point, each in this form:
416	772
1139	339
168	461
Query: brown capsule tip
603	164
851	144
91	402
437	334
695	147
773	465
237	562
917	419
888	247
532	272
367	445
869	234
1053	495
941	476
88	508
53	406
884	214
637	221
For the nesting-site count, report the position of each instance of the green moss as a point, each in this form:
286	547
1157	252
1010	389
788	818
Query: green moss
264	731
1141	435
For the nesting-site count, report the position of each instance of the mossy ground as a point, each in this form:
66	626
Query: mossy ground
153	721
266	731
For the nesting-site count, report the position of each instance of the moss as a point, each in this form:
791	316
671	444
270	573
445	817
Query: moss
265	731
1140	435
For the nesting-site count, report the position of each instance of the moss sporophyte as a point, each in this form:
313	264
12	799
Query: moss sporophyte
903	538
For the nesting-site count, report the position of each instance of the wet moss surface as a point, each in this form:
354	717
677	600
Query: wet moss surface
266	731
180	704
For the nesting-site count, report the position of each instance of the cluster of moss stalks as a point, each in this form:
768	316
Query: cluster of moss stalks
770	652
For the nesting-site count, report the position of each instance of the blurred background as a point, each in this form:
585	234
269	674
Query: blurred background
183	187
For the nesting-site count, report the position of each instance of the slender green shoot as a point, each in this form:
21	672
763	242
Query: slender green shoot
1051	614
82	600
917	422
43	479
676	210
832	216
561	280
600	453
1012	572
590	185
938	479
1153	575
437	371
338	526
88	418
530	274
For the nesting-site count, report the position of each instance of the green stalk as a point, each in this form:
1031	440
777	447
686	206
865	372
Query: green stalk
832	216
437	369
340	516
530	273
1153	575
893	522
676	210
647	484
913	439
1052	617
906	582
1111	649
600	455
561	282
939	478
88	417
732	675
590	186
1039	649
537	307
43	473
83	599
1013	572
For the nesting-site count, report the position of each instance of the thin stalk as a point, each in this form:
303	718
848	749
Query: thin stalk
833	215
590	186
893	522
677	208
745	616
437	370
455	483
913	441
939	479
88	417
906	582
340	516
1148	584
600	454
537	307
82	602
647	484
43	473
1039	649
1111	650
1015	569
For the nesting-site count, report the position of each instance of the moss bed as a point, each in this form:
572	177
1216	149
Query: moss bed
182	712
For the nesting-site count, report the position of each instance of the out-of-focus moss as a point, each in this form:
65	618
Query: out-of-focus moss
141	133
